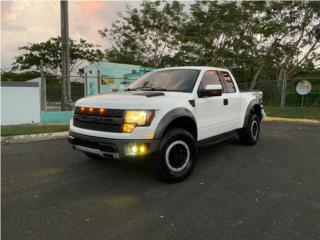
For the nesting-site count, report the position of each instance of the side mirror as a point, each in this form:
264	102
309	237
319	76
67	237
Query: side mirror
210	91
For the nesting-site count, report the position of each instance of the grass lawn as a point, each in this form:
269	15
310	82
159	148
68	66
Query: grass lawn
293	112
31	129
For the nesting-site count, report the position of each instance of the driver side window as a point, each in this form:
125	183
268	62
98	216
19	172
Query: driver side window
209	78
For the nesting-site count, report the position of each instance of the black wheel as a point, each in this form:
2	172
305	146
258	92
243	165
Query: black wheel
178	154
249	134
93	156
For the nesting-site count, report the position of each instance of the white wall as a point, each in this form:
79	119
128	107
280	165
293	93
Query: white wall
20	103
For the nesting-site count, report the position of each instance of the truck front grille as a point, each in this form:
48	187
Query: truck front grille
99	119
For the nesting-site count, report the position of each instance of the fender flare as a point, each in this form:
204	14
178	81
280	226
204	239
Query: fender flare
171	116
249	110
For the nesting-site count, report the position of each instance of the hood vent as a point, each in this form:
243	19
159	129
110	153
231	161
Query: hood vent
150	94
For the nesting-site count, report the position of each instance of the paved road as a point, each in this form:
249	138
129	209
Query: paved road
270	191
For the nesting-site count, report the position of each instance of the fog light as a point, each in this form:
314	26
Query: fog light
136	149
142	149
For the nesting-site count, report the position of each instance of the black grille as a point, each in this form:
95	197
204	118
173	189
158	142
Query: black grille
107	120
105	147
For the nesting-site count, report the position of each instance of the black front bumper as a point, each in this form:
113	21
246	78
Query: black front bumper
108	147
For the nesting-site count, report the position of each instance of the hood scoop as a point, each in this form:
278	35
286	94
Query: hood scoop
150	94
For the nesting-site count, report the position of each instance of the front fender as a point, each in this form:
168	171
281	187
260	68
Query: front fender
171	116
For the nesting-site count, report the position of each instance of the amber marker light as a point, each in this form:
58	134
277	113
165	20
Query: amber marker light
128	127
102	110
82	109
149	135
91	109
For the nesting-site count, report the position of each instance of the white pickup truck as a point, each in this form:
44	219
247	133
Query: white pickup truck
166	115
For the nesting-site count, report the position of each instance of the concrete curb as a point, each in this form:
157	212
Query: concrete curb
33	137
292	120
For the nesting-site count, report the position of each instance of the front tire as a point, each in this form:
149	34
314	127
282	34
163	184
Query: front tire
178	154
249	135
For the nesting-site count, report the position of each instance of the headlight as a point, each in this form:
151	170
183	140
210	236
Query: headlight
136	118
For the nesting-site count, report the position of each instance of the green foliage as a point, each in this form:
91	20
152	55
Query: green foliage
23	76
50	53
146	35
293	112
257	40
32	129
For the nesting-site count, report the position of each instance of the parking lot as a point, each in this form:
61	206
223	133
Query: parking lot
269	191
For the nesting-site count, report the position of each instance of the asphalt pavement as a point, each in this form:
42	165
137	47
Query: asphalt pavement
268	191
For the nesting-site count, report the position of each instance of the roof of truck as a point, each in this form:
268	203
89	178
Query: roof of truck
196	67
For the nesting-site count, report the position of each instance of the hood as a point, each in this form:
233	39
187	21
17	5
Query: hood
134	100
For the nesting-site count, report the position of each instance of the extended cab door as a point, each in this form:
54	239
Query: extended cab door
217	114
231	98
210	109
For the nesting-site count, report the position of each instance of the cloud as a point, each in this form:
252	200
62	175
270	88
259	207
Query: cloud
5	9
25	22
90	7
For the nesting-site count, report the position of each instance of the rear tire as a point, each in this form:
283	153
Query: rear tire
249	135
178	154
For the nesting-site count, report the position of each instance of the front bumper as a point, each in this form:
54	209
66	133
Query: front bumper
108	147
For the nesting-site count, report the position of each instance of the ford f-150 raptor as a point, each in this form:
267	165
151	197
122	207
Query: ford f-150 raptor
166	115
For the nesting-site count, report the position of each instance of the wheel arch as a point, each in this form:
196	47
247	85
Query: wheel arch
253	107
178	117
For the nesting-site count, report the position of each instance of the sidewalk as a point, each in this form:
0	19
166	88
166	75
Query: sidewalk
293	120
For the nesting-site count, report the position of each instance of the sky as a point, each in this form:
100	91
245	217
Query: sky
26	21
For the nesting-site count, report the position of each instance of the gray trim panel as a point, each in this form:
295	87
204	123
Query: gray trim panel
248	111
171	116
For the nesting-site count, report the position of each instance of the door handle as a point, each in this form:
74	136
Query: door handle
225	101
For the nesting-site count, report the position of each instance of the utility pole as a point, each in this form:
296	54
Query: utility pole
65	62
43	94
284	89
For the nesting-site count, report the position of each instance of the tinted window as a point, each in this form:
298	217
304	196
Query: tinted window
177	80
209	78
228	83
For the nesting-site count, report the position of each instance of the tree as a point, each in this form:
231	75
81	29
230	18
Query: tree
288	36
146	35
257	38
50	53
21	76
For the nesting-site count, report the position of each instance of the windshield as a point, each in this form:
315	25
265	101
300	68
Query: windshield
176	80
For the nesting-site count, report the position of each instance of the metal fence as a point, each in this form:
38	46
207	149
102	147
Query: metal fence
275	93
283	92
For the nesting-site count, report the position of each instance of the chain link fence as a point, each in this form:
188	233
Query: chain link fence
273	91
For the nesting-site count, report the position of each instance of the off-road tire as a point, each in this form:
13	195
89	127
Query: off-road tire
249	135
177	158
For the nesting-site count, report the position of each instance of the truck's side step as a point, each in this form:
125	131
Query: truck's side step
217	139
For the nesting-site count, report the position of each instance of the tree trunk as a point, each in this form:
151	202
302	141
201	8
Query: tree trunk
255	78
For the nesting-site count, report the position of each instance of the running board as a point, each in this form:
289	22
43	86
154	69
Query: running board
216	139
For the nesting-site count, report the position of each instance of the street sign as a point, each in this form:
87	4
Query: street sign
303	87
